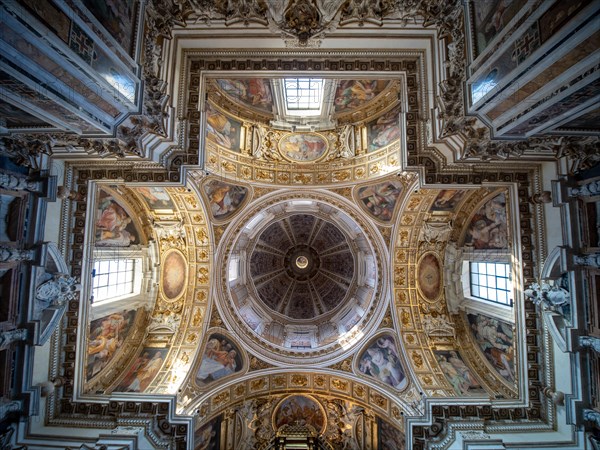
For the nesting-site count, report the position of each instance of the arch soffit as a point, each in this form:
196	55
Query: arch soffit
184	230
411	308
321	382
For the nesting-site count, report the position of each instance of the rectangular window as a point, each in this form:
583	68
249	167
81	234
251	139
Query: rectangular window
304	94
112	278
491	281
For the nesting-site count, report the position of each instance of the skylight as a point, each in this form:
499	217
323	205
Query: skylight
304	96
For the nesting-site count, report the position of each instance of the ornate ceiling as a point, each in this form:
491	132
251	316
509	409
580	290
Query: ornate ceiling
293	262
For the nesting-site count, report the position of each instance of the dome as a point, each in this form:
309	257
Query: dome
303	276
302	266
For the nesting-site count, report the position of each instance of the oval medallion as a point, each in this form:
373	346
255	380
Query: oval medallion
303	147
174	274
429	277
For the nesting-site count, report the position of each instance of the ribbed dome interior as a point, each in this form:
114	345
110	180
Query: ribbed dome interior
302	266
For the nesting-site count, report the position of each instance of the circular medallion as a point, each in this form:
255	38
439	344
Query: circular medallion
301	262
303	147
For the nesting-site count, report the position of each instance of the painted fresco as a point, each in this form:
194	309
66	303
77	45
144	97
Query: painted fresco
352	94
255	92
532	38
221	357
458	373
106	336
224	198
557	16
143	370
380	199
557	109
51	16
390	437
301	410
490	17
156	197
117	16
174	275
495	338
384	130
382	361
303	147
488	228
13	117
447	200
429	277
208	437
114	226
222	129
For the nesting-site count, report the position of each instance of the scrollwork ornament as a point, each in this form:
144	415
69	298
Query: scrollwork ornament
9	337
592	416
590	342
341	420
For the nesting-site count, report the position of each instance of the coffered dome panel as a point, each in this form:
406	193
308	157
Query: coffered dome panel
302	266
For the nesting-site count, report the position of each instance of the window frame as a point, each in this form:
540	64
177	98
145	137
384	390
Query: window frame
487	284
302	106
136	281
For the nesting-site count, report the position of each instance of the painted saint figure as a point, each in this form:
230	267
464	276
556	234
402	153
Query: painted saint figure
219	360
381	360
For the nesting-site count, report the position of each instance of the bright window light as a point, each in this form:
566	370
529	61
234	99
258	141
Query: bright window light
304	95
482	87
254	221
491	281
112	278
234	268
